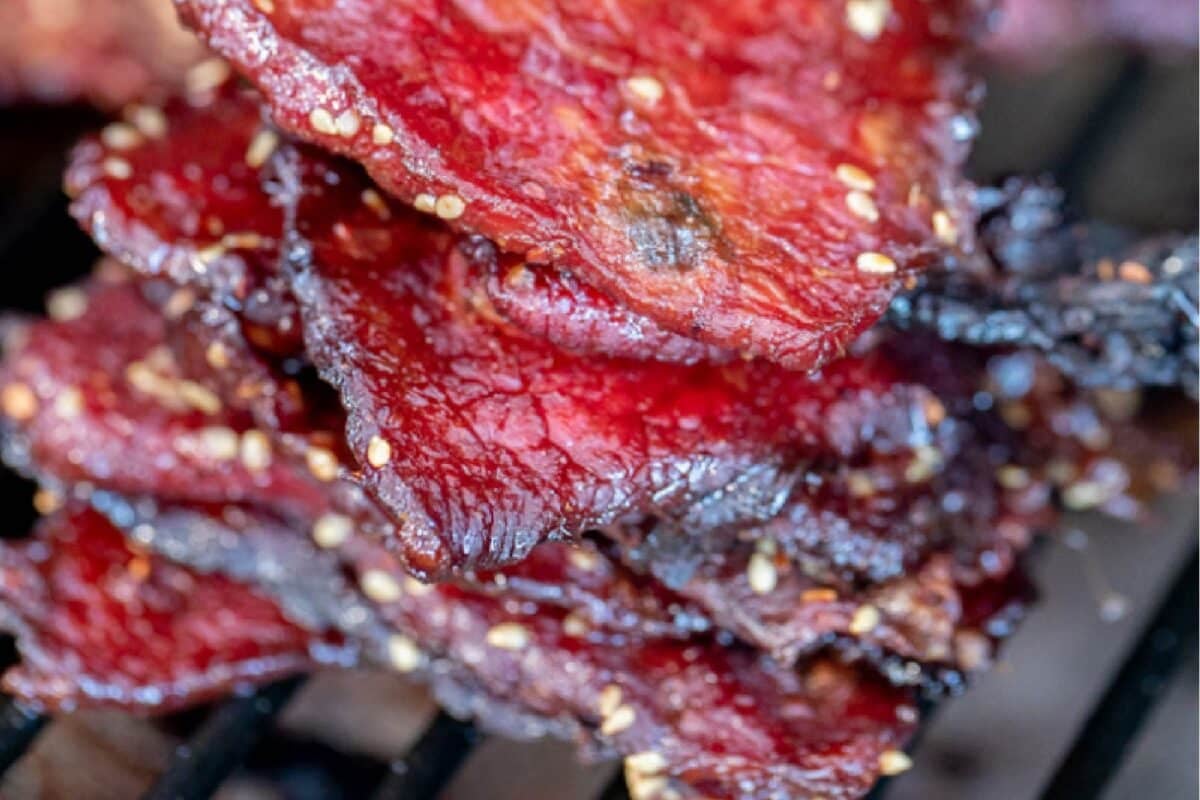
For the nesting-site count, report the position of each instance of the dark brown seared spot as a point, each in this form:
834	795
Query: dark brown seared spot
667	226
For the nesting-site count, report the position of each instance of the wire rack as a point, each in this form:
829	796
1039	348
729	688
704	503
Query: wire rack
35	230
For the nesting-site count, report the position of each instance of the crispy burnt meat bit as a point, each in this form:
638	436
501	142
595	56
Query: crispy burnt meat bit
173	200
491	440
95	397
1106	311
759	176
105	52
100	622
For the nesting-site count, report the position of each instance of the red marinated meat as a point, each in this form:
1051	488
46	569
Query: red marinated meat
96	397
487	440
174	200
106	52
760	176
100	622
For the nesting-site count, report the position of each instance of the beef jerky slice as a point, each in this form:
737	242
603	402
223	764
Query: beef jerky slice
105	52
760	176
100	622
720	719
174	200
96	397
491	440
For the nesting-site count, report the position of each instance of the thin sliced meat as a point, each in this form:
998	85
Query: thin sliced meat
173	200
721	720
97	398
760	176
100	622
488	440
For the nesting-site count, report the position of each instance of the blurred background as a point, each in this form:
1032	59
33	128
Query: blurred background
1101	94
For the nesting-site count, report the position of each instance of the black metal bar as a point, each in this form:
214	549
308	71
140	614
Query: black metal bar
616	789
1101	125
19	726
1115	721
431	762
221	744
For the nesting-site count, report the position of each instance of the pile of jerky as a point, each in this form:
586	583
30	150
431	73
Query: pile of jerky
571	403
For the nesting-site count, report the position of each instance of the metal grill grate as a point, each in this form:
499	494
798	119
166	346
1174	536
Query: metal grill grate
32	220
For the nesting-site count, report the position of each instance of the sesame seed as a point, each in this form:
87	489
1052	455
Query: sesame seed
1134	272
69	404
761	574
265	6
120	136
821	594
150	120
643	786
18	401
138	568
859	483
926	461
1084	494
875	264
907	714
862	206
381	134
944	228
117	168
585	560
935	411
508	636
893	762
331	530
198	397
520	275
379	452
264	143
244	240
403	653
179	303
66	304
47	501
621	719
425	202
868	18
322	121
348	123
374	201
449	206
219	442
380	586
1010	476
646	88
574	624
216	355
647	762
610	698
255	450
853	177
866	618
207	75
321	463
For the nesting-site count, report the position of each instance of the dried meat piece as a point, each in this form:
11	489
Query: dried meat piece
488	440
173	200
105	52
521	667
761	177
96	397
100	622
